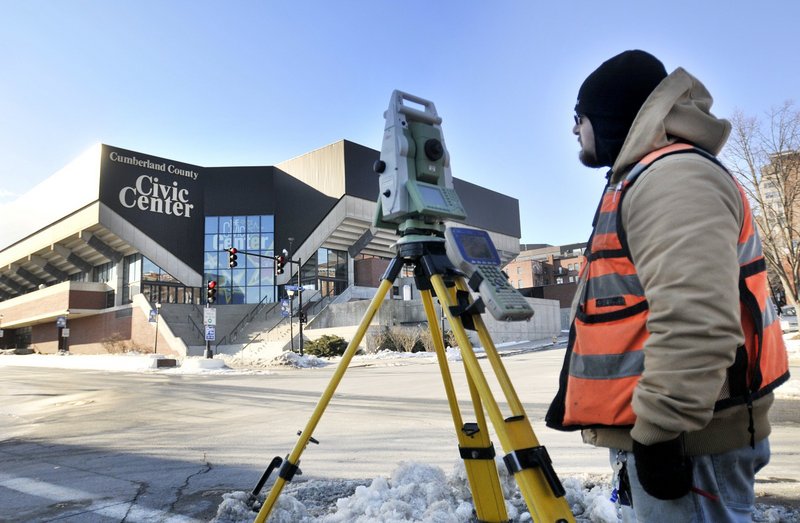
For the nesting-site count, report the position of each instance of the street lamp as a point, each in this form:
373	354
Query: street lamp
155	343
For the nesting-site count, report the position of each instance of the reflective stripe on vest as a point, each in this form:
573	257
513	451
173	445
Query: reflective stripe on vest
605	356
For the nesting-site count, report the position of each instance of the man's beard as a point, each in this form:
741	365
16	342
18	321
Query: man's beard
589	159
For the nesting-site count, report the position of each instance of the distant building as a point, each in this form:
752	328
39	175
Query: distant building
547	271
777	207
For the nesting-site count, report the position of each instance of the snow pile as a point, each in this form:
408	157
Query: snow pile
131	362
423	493
271	354
292	359
414	492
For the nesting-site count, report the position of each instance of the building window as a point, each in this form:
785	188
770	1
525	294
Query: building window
326	271
559	280
159	286
78	276
103	273
131	277
253	279
22	337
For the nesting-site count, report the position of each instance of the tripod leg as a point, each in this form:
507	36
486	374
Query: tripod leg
474	443
289	467
525	458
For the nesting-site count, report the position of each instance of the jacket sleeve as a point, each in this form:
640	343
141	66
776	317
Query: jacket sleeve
682	219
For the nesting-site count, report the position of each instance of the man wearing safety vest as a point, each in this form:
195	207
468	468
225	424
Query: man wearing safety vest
675	347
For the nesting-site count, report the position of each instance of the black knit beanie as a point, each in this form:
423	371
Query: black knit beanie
613	94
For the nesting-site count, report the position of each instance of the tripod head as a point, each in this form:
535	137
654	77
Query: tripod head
416	187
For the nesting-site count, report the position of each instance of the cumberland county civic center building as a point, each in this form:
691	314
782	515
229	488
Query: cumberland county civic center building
87	254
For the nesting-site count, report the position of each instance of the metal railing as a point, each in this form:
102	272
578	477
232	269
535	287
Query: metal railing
308	306
255	338
234	333
200	331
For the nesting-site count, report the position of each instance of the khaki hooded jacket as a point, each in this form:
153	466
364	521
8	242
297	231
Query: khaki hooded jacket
682	219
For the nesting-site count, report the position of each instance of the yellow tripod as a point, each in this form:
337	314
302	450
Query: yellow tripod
525	458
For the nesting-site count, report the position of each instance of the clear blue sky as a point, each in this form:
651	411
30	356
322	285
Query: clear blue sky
259	82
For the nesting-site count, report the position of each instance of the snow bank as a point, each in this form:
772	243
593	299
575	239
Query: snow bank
414	493
424	493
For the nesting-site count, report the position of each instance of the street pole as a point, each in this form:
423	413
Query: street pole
291	320
158	311
208	342
300	306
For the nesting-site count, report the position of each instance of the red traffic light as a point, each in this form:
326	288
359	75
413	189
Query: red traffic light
232	257
281	261
211	294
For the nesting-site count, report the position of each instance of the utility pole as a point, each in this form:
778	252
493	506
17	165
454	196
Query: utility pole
300	303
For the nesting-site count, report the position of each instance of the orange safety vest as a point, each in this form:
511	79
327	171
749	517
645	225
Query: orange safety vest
605	356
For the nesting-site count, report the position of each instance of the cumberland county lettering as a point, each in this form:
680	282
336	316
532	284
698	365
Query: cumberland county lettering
149	195
147	164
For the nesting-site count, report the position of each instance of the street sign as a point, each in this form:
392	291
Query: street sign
152	317
295	288
209	316
211	332
285	308
61	321
65	333
1	333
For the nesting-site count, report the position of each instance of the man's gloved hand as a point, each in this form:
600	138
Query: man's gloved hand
663	470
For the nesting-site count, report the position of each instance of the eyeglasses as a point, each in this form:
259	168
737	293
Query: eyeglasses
578	119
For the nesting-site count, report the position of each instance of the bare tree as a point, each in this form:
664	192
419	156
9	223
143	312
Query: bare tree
764	155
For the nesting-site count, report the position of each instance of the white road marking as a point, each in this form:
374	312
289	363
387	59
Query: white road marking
112	508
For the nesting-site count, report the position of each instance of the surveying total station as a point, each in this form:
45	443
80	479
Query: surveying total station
416	197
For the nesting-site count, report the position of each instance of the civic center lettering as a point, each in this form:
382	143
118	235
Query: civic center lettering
149	195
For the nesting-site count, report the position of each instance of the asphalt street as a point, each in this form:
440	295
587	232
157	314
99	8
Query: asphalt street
94	446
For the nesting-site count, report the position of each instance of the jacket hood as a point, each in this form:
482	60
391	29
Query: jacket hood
678	109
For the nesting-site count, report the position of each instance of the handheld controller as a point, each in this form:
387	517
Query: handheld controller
472	252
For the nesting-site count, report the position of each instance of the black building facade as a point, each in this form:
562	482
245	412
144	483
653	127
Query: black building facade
123	223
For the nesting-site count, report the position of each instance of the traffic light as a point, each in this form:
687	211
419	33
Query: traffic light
232	257
211	293
280	262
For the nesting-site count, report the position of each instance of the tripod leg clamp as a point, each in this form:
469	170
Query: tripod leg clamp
288	470
465	309
535	457
477	452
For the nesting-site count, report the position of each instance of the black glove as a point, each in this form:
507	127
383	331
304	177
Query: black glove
664	472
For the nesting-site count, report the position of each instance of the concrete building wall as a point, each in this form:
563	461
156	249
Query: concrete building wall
545	324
